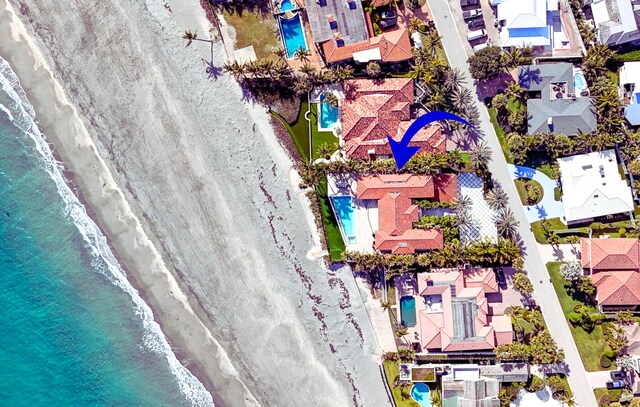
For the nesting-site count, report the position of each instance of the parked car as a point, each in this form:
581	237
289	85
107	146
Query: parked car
502	281
618	375
471	14
389	15
615	384
475	23
465	3
388	23
478	47
476	35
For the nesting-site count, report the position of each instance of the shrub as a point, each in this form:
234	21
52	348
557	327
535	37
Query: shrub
610	353
605	399
605	362
486	63
537	384
575	318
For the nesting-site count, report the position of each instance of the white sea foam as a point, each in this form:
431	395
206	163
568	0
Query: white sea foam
23	116
7	111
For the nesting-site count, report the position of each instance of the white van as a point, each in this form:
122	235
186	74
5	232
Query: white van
474	35
478	47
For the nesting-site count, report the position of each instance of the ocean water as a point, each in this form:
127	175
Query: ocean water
73	331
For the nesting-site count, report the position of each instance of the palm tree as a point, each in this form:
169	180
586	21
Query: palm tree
507	224
480	156
307	69
431	42
190	36
281	53
454	78
373	69
386	305
301	54
461	98
514	90
414	24
331	98
436	398
324	150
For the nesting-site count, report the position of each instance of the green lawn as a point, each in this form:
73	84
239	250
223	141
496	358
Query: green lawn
614	395
557	193
538	231
391	371
521	184
334	237
503	141
591	345
391	292
628	56
254	29
299	131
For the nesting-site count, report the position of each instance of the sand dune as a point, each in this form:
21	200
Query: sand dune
197	197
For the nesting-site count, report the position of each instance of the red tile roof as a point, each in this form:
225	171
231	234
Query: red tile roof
396	212
617	287
394	47
610	254
376	109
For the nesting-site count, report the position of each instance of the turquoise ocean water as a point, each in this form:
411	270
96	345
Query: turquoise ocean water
73	331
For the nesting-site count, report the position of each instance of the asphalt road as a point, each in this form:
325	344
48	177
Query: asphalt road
545	295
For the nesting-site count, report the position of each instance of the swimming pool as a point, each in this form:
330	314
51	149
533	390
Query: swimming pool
286	5
408	311
344	210
328	115
420	393
292	35
578	81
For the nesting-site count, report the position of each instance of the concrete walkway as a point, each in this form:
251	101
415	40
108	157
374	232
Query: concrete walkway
379	318
559	252
534	265
548	207
599	379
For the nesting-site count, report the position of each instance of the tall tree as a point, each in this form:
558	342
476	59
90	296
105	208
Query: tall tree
480	156
486	63
507	224
497	199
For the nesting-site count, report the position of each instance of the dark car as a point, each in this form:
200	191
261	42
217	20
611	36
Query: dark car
618	375
502	281
616	384
465	3
475	23
389	15
388	23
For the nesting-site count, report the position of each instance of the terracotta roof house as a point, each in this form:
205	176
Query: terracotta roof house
397	213
454	314
374	110
344	32
614	265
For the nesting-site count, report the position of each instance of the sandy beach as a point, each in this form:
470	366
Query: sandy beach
197	198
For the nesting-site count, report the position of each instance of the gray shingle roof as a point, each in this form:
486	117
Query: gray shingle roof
349	18
569	116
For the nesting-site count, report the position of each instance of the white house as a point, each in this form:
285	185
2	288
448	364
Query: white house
531	22
615	21
592	187
630	87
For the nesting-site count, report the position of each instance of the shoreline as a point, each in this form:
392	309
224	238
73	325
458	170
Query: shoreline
192	209
38	99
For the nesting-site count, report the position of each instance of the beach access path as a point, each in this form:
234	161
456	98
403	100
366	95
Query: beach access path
200	202
534	266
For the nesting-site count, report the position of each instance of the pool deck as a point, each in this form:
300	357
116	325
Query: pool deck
365	216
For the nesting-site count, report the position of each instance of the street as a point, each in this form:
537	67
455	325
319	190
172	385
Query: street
534	266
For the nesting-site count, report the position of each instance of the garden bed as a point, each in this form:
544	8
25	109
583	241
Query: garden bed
530	191
423	374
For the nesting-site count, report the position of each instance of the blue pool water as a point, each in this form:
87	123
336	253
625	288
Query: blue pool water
287	5
344	212
578	81
328	114
420	393
408	311
293	35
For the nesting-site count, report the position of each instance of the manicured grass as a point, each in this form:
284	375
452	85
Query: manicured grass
538	231
614	395
546	170
557	193
299	131
591	345
392	371
254	29
334	237
493	113
391	292
521	187
628	56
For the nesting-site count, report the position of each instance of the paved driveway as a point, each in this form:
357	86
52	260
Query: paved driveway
559	252
548	207
455	48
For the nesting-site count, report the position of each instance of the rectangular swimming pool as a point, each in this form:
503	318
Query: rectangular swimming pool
344	211
328	115
292	35
408	311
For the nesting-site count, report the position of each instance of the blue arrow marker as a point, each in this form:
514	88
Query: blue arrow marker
402	152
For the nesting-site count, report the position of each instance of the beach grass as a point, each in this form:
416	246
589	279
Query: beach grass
254	28
392	372
591	345
332	231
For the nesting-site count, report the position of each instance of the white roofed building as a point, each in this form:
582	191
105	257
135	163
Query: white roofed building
592	187
531	22
616	21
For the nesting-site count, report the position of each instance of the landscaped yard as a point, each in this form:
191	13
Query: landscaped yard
254	28
591	345
334	237
299	131
613	229
613	395
538	231
392	372
523	185
493	113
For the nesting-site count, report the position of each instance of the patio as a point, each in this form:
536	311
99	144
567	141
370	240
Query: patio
548	207
482	223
